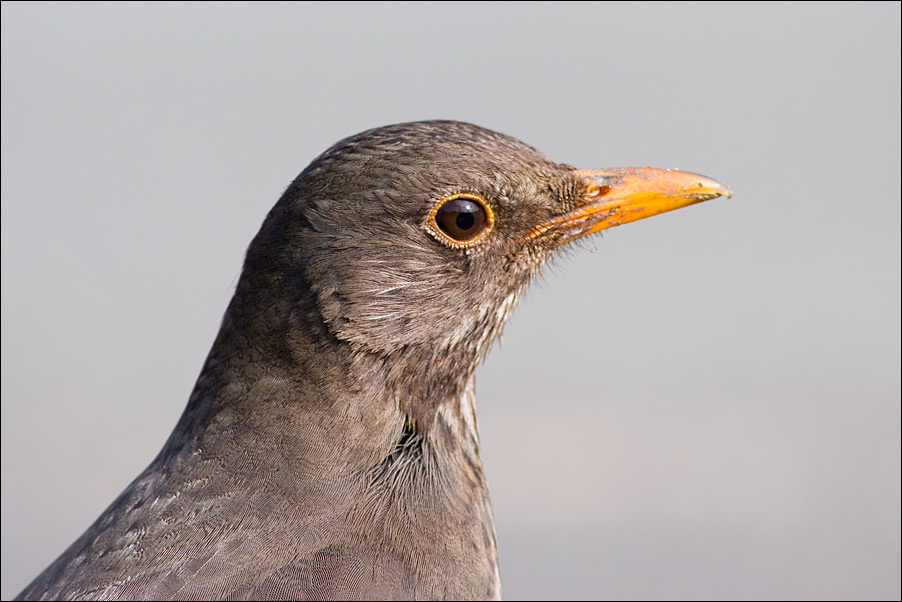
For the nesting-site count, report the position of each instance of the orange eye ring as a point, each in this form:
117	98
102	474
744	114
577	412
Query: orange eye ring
461	220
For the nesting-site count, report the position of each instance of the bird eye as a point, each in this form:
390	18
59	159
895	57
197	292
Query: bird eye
463	219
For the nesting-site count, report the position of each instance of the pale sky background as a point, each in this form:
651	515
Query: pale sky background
702	405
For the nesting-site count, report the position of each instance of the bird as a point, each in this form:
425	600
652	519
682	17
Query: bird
329	449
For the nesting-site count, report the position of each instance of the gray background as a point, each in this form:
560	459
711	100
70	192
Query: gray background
701	405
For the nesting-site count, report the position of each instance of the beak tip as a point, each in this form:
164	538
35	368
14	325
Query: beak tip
714	189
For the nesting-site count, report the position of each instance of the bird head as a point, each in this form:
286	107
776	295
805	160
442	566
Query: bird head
423	235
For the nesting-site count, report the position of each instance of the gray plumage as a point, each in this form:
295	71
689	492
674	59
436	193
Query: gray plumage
329	449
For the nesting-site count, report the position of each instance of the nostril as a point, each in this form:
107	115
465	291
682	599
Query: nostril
595	192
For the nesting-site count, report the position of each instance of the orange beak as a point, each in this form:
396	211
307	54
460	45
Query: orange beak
626	194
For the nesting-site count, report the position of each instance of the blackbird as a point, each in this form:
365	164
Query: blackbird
329	449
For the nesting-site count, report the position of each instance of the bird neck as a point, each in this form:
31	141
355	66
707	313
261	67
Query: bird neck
382	448
349	439
279	388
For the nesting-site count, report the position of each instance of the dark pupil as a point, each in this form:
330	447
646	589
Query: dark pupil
461	219
465	221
